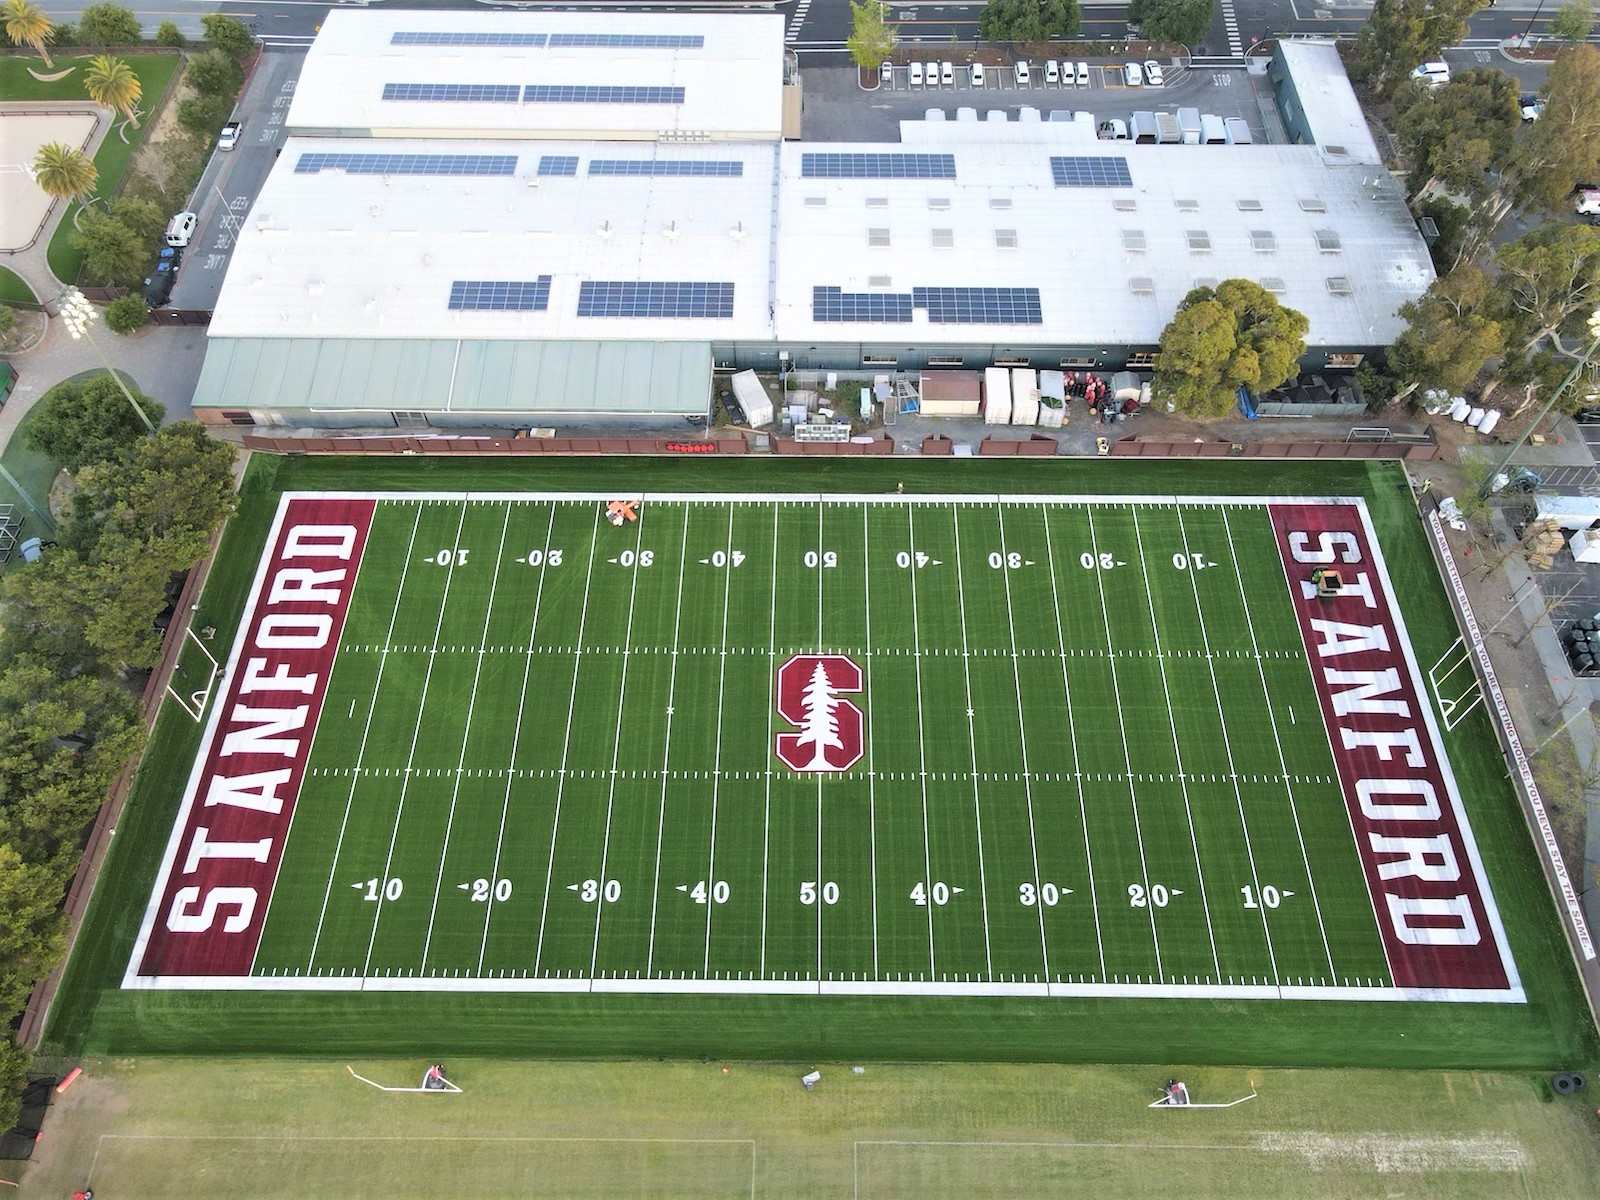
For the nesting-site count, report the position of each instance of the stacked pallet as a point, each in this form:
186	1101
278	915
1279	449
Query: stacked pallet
1543	540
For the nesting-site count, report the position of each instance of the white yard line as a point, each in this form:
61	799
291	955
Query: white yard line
411	752
922	748
872	754
1227	741
466	736
716	764
972	741
566	744
366	728
772	705
820	647
516	735
1177	746
1127	757
1277	739
616	745
666	749
1072	734
1022	739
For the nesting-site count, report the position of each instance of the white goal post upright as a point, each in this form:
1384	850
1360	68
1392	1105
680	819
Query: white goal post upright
195	702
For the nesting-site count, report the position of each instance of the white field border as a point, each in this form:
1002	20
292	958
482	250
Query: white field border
1512	994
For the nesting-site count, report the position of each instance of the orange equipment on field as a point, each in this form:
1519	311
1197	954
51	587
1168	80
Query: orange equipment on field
620	511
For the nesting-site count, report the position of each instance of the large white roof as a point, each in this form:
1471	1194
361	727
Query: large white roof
1111	263
338	253
729	68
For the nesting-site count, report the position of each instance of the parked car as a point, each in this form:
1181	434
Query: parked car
1434	74
1083	74
1019	72
914	74
158	287
885	75
1052	72
1531	107
947	73
229	137
1132	75
181	228
1152	72
975	75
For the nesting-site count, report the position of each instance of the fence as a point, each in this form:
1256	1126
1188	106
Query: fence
882	445
445	445
1409	452
1038	446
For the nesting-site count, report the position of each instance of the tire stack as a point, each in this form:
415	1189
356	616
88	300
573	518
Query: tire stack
1583	647
1568	1083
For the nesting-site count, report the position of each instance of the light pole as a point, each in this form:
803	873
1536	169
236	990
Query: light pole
1487	487
78	314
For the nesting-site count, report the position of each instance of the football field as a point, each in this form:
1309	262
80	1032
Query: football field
823	744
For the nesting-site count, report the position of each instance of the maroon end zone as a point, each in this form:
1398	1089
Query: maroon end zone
223	858
1438	922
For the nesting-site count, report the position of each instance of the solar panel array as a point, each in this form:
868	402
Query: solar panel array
1099	171
407	164
878	166
979	305
569	93
664	166
432	38
503	93
832	304
558	164
639	298
631	41
501	295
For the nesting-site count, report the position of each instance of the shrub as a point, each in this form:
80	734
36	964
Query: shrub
108	25
214	74
170	35
127	313
204	115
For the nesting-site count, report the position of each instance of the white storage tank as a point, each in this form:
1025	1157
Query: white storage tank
996	396
1475	417
1024	396
1461	410
752	398
1490	420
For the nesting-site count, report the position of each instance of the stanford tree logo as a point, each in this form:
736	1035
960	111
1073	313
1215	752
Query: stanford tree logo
810	687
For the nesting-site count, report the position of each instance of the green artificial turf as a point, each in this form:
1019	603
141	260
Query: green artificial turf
14	289
1002	935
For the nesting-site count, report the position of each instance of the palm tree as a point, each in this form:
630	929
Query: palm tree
27	25
62	171
112	82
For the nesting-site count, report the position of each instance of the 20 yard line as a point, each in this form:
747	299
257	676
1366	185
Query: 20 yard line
922	747
466	736
972	739
716	765
516	735
666	750
566	744
1177	747
411	753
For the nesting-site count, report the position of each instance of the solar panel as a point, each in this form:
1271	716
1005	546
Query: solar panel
664	166
879	308
558	164
878	166
565	93
501	295
311	163
631	41
668	298
979	305
1098	171
503	93
433	38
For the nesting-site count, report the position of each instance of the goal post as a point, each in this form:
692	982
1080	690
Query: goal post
433	1082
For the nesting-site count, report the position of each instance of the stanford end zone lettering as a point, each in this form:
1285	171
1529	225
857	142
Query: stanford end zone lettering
1434	911
830	737
207	912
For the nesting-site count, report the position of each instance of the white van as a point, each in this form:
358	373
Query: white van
947	73
975	75
1212	131
1019	72
914	74
1052	73
180	229
1083	74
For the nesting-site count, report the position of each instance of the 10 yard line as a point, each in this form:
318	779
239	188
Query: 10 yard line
666	750
972	739
716	762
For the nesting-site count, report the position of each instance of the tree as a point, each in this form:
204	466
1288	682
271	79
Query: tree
27	25
32	927
1561	148
1447	338
1401	34
1573	21
1457	134
14	1064
108	25
228	34
63	172
214	74
111	82
821	728
1236	333
127	313
170	35
1546	277
1185	22
871	39
113	253
78	424
1029	20
204	115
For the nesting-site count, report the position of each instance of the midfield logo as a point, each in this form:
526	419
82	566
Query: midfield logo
809	691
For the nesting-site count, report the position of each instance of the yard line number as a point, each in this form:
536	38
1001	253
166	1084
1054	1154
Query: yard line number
714	892
591	890
824	558
1104	561
829	892
1269	896
482	889
451	558
629	558
723	558
1008	562
375	888
543	558
1158	894
939	893
1047	894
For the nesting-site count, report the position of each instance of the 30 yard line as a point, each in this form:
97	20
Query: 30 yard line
922	746
516	734
1177	746
716	765
972	741
666	750
411	753
466	736
566	744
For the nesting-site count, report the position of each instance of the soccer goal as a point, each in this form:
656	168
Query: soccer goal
433	1081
